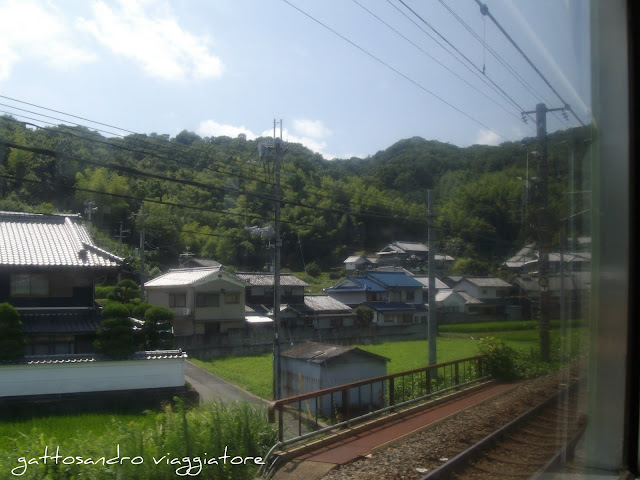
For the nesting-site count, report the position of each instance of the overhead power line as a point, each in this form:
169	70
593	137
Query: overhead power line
169	148
434	59
395	70
485	11
477	71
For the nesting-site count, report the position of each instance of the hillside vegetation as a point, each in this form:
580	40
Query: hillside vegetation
203	195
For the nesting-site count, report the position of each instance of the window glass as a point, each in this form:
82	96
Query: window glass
207	300
177	299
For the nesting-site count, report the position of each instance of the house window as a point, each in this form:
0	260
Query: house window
177	299
484	291
232	298
411	296
208	300
29	285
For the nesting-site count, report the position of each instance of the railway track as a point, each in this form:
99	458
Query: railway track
524	447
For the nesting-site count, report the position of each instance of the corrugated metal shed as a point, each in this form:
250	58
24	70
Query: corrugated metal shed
314	352
29	239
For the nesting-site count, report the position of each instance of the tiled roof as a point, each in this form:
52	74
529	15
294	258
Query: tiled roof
314	352
178	277
59	323
94	357
394	279
324	303
391	306
425	281
487	281
356	284
266	279
30	239
469	299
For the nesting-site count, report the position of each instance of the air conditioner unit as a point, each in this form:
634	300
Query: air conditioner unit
186	312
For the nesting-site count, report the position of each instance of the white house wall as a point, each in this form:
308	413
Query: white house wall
97	376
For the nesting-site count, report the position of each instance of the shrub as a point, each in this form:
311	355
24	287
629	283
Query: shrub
115	337
12	338
501	358
157	328
313	269
364	315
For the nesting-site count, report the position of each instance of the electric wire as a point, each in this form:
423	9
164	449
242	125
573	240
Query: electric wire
532	90
479	73
485	11
395	70
124	147
435	59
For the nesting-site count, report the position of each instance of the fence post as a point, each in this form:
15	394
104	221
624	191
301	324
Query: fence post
345	403
457	373
392	392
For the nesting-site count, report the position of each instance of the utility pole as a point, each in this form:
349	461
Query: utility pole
278	150
431	315
544	230
89	210
142	216
120	236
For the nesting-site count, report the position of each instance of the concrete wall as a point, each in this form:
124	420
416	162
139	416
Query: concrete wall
92	376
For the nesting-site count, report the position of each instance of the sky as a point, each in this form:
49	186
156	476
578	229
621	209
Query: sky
346	77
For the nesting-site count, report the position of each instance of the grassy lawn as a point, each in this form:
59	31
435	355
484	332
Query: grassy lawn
66	426
255	373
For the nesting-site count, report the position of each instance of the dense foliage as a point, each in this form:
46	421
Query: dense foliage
12	337
211	196
172	444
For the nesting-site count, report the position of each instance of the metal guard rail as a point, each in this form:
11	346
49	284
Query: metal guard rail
432	380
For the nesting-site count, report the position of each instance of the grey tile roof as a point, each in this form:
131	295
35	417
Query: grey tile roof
266	279
488	282
324	303
59	323
40	240
179	277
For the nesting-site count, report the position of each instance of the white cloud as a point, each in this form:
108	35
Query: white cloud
311	128
306	132
154	40
487	137
211	128
31	30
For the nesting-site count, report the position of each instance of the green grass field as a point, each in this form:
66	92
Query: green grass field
255	373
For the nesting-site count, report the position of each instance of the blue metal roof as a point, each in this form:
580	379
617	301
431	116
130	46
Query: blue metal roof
395	279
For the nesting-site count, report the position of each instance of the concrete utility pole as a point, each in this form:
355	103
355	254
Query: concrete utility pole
431	319
544	230
278	151
89	210
142	216
120	236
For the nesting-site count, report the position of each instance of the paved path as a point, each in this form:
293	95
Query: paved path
211	387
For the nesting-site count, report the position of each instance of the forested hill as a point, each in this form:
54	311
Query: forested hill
210	196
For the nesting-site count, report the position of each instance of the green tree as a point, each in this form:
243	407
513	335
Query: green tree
157	328
12	338
115	337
